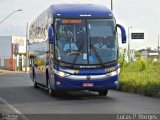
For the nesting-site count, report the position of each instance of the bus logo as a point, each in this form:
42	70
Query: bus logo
88	77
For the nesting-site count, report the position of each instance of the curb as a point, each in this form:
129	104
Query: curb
9	72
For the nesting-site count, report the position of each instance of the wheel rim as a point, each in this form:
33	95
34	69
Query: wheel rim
49	89
34	81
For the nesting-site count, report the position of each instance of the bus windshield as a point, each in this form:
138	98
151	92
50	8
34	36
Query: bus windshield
85	41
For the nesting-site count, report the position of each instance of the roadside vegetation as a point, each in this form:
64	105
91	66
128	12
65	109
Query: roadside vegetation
141	77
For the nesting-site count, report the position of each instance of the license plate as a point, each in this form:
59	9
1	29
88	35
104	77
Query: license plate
88	84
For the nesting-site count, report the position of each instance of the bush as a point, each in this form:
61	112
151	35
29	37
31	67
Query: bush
143	64
151	90
122	61
141	77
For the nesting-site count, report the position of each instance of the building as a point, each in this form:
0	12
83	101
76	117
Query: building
149	55
125	53
12	52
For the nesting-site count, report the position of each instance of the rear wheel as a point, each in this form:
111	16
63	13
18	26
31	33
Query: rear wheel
103	92
35	83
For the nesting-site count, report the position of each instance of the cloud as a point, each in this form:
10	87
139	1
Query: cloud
142	15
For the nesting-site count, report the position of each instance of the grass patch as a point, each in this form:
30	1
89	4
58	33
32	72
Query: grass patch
141	77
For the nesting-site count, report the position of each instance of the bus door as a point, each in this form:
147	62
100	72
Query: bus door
40	70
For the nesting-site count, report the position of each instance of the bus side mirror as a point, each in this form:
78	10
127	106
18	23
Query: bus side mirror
50	34
123	33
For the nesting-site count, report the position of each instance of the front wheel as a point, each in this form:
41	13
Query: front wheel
51	92
103	92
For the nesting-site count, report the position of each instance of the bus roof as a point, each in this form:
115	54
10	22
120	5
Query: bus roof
80	11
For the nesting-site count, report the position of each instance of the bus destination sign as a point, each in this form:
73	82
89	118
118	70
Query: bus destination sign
67	21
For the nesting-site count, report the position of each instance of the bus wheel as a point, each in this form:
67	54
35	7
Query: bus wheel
103	92
35	83
50	90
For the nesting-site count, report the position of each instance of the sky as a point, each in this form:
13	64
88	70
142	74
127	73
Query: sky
142	15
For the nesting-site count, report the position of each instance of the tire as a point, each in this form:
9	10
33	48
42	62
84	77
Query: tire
51	92
34	82
103	92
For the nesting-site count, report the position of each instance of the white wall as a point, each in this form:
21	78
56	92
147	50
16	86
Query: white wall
22	43
5	48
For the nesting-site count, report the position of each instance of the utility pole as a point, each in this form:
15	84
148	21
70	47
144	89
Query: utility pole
11	14
158	49
26	64
129	44
11	60
112	5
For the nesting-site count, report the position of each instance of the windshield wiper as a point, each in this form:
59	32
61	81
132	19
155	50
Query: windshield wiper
76	56
95	51
98	56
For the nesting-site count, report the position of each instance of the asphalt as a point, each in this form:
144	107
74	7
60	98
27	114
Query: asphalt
17	90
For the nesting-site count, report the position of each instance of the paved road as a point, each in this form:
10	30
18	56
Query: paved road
17	90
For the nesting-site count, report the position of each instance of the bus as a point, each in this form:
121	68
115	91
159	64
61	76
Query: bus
75	47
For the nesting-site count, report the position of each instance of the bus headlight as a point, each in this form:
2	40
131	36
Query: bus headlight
113	73
62	74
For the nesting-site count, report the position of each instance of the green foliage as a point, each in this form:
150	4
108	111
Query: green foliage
143	64
122	61
141	77
137	54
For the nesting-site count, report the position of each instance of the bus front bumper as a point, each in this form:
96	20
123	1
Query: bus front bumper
86	82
